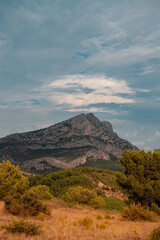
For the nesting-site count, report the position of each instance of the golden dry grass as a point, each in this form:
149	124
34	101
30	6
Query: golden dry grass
63	224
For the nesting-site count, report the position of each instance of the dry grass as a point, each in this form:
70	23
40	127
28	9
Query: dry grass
63	224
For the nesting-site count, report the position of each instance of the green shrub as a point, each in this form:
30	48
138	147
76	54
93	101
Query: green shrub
42	191
11	180
113	203
155	208
97	202
86	222
27	204
22	226
155	235
80	195
138	213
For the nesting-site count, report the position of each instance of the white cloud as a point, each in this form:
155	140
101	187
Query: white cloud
83	90
98	83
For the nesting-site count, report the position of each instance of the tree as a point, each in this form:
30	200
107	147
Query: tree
11	180
141	176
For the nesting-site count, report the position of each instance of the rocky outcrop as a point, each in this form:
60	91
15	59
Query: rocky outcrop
64	145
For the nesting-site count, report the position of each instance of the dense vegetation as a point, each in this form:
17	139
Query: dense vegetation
84	196
11	180
22	226
103	164
60	181
138	213
28	204
141	176
155	234
18	198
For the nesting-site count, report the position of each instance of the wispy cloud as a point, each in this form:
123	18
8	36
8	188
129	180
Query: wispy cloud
93	110
147	70
124	56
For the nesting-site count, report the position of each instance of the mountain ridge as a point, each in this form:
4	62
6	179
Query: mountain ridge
64	145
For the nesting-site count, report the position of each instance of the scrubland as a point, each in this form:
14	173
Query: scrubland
80	223
83	203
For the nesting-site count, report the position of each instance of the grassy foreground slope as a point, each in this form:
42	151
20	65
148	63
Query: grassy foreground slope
70	223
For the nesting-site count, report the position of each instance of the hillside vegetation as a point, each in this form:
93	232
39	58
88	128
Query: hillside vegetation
86	177
83	203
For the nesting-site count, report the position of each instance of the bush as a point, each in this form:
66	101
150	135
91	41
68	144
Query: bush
22	226
42	191
155	208
80	195
138	213
155	235
41	216
26	205
113	203
86	222
107	216
99	217
11	180
101	226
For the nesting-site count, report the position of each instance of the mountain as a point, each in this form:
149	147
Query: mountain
64	145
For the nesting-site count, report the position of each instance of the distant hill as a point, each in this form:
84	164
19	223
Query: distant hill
81	140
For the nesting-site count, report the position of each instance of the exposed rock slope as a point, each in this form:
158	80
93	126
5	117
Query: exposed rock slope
63	145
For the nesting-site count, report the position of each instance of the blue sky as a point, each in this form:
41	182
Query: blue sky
60	58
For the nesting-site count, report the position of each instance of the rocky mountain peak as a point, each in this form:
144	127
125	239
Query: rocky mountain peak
65	144
86	124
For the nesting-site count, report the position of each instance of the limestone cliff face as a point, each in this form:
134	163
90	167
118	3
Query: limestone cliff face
64	145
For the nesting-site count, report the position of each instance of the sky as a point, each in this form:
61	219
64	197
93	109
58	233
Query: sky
60	58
